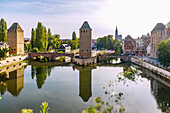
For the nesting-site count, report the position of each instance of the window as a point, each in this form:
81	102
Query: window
87	50
82	50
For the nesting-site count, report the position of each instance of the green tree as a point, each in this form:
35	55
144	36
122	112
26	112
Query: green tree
3	30
40	37
164	52
74	36
3	52
33	41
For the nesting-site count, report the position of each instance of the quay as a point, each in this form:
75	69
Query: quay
158	70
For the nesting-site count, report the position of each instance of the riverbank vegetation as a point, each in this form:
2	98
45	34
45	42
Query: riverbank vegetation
42	40
164	52
108	43
3	30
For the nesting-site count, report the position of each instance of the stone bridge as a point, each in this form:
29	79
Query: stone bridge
123	57
51	56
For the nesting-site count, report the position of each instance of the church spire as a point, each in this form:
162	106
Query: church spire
116	32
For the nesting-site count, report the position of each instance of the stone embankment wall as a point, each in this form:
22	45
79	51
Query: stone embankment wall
87	61
13	59
151	67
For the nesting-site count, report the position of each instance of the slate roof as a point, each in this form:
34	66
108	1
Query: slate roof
15	26
159	27
85	25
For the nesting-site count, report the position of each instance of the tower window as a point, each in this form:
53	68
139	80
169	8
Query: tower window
87	50
81	31
84	31
82	50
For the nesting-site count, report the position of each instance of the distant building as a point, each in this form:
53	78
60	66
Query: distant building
140	51
4	45
129	45
157	35
63	40
119	37
15	39
94	43
65	48
85	49
27	41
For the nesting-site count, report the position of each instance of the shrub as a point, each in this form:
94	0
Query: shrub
35	49
157	65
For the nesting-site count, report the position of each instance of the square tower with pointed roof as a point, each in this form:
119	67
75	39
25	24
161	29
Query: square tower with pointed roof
85	48
15	39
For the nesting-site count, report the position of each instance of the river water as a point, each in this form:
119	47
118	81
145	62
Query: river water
71	89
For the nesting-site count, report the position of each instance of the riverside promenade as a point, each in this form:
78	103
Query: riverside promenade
12	60
158	70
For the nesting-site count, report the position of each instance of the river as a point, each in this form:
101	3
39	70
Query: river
71	89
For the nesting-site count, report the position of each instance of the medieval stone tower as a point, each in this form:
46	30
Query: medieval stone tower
15	39
85	41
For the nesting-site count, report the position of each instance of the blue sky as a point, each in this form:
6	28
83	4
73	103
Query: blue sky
134	17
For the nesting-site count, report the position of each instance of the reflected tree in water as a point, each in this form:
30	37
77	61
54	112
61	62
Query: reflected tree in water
3	88
41	73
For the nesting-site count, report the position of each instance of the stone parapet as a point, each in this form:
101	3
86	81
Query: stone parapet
155	69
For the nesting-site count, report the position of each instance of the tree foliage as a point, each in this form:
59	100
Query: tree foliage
164	52
43	39
107	42
33	41
3	30
74	43
3	52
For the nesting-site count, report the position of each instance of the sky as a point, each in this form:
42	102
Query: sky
132	17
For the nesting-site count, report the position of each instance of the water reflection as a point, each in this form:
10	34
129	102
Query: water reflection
85	86
41	73
12	80
160	89
161	94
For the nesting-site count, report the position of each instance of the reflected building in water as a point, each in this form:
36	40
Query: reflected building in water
85	82
160	89
161	94
14	80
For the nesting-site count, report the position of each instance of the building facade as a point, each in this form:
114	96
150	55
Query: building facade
157	35
85	49
15	39
129	45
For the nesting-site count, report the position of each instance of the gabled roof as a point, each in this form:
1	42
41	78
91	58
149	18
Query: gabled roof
159	27
64	45
85	25
2	43
15	26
